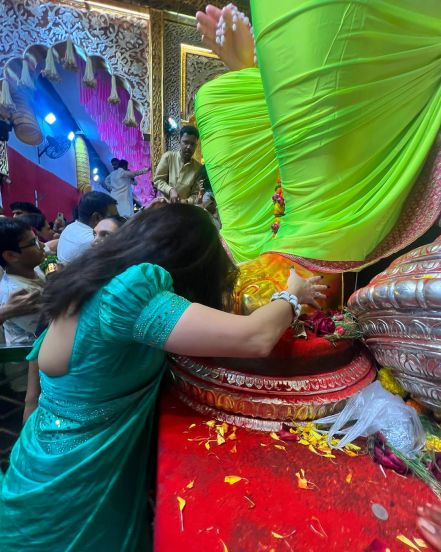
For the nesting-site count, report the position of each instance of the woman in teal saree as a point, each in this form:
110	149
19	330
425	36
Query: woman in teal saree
78	473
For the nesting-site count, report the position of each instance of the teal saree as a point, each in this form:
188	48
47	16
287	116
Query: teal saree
77	475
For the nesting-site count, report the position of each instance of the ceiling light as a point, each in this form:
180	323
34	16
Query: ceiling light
50	118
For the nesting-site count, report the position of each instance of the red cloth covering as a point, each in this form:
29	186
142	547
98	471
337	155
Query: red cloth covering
55	194
216	512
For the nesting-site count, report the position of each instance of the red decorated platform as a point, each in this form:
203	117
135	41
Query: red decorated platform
267	510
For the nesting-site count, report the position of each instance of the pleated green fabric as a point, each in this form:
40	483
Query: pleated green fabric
353	98
238	150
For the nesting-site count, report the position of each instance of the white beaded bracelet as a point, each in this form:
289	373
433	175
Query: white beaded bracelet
291	299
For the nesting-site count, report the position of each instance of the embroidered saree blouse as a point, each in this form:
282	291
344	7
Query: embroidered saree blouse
77	476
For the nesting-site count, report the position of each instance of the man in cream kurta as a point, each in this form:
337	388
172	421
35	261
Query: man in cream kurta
178	175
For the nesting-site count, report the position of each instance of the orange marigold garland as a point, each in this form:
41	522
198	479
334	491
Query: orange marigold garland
279	206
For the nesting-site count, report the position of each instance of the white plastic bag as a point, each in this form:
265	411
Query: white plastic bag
374	409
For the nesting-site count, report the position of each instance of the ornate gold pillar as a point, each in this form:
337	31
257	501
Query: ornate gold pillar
156	86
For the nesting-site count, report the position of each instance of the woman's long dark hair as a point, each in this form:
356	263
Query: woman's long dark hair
180	238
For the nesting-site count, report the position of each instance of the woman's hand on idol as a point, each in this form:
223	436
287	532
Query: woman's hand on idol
228	33
307	290
429	524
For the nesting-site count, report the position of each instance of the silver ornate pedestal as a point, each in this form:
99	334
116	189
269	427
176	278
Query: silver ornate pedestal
400	314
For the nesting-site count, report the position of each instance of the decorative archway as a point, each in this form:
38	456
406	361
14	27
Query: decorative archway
33	29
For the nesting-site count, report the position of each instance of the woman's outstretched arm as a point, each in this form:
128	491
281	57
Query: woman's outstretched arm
202	331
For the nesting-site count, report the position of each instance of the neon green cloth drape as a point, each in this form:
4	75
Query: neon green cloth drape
239	154
352	99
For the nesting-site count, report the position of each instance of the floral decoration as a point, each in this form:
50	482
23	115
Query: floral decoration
279	206
333	326
389	383
49	264
316	440
426	465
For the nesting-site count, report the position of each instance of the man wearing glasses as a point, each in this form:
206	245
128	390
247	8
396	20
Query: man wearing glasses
20	256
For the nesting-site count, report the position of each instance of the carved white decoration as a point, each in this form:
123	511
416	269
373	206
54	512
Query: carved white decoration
122	41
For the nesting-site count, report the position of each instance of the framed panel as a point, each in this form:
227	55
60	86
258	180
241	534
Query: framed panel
198	65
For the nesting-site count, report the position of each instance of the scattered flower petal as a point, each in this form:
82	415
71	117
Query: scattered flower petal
377	546
301	480
222	429
280	447
274	436
207	445
211	423
317	527
190	485
232	479
349	478
420	543
224	546
250	502
191	426
407	542
182	502
279	536
220	440
234	449
288	434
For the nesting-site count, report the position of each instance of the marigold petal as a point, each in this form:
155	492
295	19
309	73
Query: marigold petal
181	503
407	542
232	479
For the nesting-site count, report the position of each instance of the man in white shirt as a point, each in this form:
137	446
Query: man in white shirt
78	236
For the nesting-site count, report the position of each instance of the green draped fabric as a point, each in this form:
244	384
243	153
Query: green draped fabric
77	475
352	96
239	154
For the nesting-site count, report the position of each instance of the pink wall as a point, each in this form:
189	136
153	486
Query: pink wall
124	143
54	194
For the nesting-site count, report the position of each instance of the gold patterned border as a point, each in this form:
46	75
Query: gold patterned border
186	50
156	86
4	166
